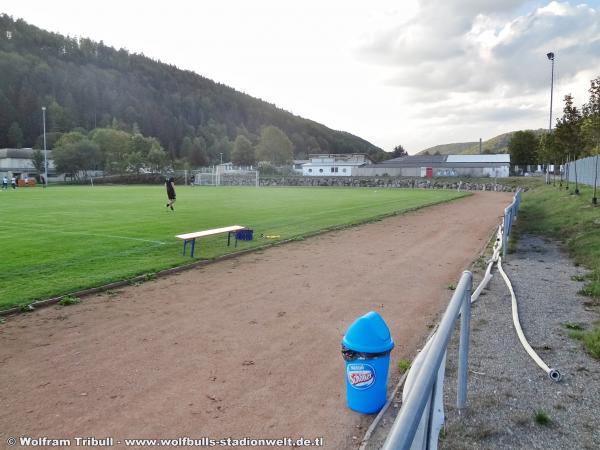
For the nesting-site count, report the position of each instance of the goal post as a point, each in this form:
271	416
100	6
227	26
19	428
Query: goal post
226	175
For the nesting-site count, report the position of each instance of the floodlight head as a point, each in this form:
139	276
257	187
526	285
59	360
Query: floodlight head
43	108
550	56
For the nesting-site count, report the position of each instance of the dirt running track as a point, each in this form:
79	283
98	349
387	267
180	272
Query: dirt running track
248	346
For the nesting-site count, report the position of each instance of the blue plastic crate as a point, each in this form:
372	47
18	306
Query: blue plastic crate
244	235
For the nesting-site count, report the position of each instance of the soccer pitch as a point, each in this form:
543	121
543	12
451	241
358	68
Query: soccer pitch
62	239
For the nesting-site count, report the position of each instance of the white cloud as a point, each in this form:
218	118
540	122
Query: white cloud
483	65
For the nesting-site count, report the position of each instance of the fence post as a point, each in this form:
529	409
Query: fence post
505	231
463	349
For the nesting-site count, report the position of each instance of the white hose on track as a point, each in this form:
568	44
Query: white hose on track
554	374
488	272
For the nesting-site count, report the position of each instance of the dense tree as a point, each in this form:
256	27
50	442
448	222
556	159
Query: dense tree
567	132
523	148
198	155
274	146
76	158
398	152
157	159
15	136
115	146
549	151
590	126
38	161
70	138
243	152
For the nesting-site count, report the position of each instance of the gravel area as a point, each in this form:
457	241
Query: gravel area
506	387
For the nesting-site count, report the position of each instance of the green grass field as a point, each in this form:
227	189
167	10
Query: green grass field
573	220
63	239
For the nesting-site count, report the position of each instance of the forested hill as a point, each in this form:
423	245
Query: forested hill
86	84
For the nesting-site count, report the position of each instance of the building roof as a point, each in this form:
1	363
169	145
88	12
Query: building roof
447	161
416	159
24	153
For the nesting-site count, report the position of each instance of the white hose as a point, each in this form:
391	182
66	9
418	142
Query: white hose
554	374
488	272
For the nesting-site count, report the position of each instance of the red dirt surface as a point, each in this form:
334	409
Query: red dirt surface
248	346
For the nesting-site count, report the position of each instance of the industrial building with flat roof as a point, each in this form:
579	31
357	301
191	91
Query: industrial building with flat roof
440	166
17	162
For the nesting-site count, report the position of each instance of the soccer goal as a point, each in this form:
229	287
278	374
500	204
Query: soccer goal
205	176
226	175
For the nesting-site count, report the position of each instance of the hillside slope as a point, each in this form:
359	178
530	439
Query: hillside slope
448	149
497	144
87	84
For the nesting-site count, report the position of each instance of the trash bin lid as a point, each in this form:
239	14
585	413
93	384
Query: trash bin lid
369	334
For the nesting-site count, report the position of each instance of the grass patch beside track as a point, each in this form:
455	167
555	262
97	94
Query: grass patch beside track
62	239
573	220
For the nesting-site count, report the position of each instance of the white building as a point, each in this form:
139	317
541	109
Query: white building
334	165
16	162
297	165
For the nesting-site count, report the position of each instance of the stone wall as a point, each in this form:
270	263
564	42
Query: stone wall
385	182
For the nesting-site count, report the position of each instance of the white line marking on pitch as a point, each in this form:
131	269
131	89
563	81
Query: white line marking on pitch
79	233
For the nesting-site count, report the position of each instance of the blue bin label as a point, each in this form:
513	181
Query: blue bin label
360	376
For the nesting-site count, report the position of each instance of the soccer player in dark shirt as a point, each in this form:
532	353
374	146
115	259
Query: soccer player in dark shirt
170	184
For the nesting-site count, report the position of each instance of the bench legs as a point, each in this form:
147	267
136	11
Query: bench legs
193	241
229	238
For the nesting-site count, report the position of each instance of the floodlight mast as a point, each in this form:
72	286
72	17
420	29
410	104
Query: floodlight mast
551	58
45	149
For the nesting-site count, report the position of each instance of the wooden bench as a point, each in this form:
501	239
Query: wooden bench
191	237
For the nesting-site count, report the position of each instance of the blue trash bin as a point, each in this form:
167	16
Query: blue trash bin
366	348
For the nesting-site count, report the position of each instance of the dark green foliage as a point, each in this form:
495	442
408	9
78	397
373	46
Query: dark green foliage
37	160
274	146
523	148
243	152
568	134
398	152
15	135
77	157
89	85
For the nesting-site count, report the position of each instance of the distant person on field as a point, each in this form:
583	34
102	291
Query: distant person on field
4	184
13	182
170	184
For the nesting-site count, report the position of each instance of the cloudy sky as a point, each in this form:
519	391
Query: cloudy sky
416	73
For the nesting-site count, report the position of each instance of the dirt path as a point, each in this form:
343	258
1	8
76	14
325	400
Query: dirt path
244	347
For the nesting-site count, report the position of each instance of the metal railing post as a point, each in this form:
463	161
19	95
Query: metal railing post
505	231
463	349
409	418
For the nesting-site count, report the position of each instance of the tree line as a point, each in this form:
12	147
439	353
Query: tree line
87	85
575	135
120	152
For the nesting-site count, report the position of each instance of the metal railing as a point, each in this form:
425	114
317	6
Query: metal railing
421	416
510	214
